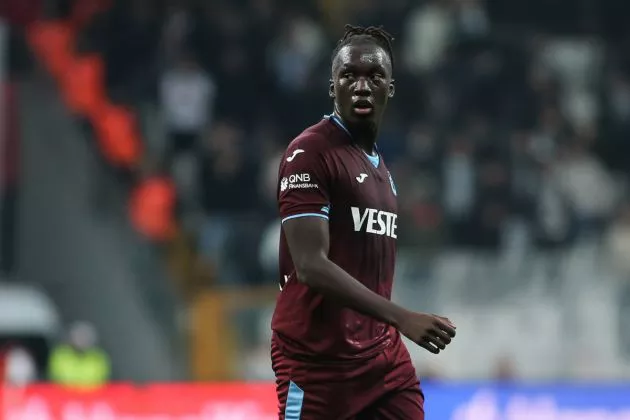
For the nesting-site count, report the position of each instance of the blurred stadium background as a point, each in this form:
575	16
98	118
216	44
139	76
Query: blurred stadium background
139	143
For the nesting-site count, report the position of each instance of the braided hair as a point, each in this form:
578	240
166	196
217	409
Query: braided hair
358	34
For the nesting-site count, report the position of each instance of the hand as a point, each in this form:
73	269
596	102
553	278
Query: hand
429	331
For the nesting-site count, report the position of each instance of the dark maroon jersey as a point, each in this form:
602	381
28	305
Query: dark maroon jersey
324	174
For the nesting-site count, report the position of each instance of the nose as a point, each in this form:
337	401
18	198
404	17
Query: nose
362	87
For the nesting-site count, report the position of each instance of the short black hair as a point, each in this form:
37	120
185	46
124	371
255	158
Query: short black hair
358	34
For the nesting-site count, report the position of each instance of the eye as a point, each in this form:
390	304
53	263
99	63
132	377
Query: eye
377	77
347	75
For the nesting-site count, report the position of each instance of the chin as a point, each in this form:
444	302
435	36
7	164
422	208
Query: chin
363	118
363	126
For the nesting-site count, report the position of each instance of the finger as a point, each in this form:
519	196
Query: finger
443	326
429	347
451	332
438	342
440	335
447	321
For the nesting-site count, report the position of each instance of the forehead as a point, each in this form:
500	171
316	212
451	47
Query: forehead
364	54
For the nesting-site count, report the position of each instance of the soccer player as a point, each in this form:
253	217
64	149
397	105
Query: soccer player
336	348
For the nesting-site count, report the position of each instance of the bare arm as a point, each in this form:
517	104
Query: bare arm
308	241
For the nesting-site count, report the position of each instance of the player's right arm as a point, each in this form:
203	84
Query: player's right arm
308	239
305	226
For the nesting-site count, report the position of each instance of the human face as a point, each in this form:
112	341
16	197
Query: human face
361	83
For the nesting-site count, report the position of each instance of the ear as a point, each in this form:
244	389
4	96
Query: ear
331	88
392	89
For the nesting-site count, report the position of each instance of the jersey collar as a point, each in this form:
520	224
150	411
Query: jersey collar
335	119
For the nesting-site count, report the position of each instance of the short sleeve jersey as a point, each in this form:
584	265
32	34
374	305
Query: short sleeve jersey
324	174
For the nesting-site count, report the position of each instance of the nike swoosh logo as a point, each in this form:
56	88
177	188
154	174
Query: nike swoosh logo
295	153
361	178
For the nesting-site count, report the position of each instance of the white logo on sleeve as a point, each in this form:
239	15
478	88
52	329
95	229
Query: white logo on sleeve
361	178
391	182
376	222
286	280
295	153
297	181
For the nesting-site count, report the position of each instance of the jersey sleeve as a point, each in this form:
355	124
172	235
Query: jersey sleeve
304	181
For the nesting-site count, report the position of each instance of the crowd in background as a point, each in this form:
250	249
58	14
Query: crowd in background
508	132
499	132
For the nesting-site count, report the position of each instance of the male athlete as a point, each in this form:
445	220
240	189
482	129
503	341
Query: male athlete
336	349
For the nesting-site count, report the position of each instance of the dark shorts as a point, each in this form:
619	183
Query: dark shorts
384	388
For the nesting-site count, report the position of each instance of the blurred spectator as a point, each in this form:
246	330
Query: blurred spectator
429	32
553	215
152	206
618	94
19	367
548	133
295	52
587	186
472	19
459	189
492	203
187	96
525	175
79	362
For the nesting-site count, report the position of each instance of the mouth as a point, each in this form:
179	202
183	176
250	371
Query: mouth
362	107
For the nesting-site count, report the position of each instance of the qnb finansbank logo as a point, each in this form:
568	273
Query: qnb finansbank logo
487	405
297	181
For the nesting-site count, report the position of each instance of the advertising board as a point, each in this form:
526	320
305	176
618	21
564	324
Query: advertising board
234	401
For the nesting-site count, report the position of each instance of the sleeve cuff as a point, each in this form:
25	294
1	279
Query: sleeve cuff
296	216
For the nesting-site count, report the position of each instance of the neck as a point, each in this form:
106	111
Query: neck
363	135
